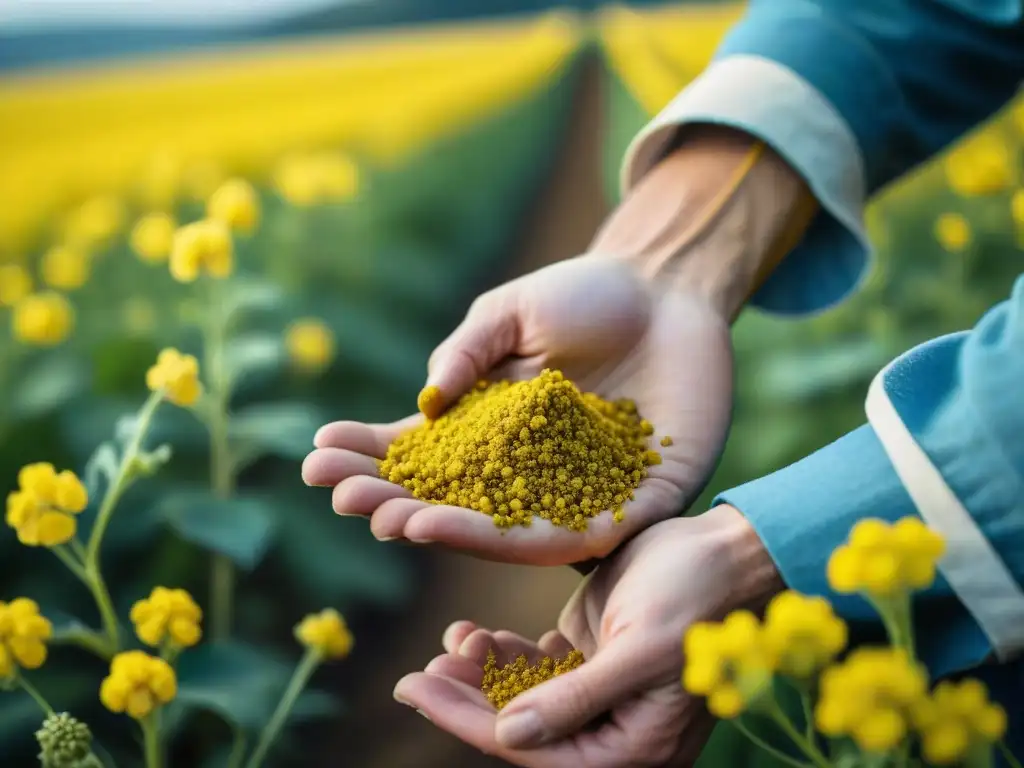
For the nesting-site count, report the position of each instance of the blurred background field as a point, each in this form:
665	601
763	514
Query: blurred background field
408	156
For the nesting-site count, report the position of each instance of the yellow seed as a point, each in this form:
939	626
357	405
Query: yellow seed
502	684
519	449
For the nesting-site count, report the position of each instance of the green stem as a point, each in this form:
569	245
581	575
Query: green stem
805	704
32	691
1008	756
765	746
91	641
806	746
895	614
222	479
73	563
151	740
118	485
237	750
303	671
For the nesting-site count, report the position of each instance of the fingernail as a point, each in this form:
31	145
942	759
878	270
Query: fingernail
419	541
421	712
399	699
521	730
387	538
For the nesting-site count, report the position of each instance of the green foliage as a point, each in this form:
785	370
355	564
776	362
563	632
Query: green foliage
389	274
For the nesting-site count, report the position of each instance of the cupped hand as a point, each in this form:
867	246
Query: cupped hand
607	329
625	706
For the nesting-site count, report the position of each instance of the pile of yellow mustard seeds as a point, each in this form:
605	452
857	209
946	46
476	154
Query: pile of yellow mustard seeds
515	450
502	684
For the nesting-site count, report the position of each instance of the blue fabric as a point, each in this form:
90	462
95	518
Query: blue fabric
960	397
908	77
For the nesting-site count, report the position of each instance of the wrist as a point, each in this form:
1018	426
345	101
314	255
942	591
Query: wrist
754	577
712	219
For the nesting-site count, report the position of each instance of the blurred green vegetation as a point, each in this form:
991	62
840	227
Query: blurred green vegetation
390	273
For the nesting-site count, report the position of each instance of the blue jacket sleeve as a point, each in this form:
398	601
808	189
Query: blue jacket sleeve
852	94
907	76
960	399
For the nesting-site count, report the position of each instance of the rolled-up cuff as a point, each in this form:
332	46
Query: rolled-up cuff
770	101
804	511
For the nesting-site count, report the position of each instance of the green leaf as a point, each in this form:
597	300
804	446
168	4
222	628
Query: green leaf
48	383
284	429
336	560
254	354
241	684
241	527
806	373
250	295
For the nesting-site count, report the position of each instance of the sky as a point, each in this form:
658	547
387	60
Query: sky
48	14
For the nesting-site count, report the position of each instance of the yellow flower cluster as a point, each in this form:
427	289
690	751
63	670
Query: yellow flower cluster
802	634
981	165
15	284
202	247
235	205
153	236
326	633
883	560
955	718
310	344
953	232
317	178
727	662
94	223
169	615
869	697
43	509
23	636
65	267
43	319
177	375
138	684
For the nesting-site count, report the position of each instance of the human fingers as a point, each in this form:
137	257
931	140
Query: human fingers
565	704
363	495
329	466
463	710
488	335
454	635
368	439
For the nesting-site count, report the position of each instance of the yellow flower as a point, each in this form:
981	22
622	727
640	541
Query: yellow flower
952	231
23	636
981	165
42	510
729	663
44	319
955	718
316	178
65	268
883	560
15	284
1017	207
203	246
152	237
167	614
802	633
177	375
160	181
201	179
137	684
310	343
235	205
326	633
93	223
869	697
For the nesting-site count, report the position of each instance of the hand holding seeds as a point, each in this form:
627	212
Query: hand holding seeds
619	434
623	706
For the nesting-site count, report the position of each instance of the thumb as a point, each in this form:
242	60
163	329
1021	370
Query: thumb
563	705
489	333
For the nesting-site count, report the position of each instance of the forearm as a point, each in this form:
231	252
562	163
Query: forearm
714	217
